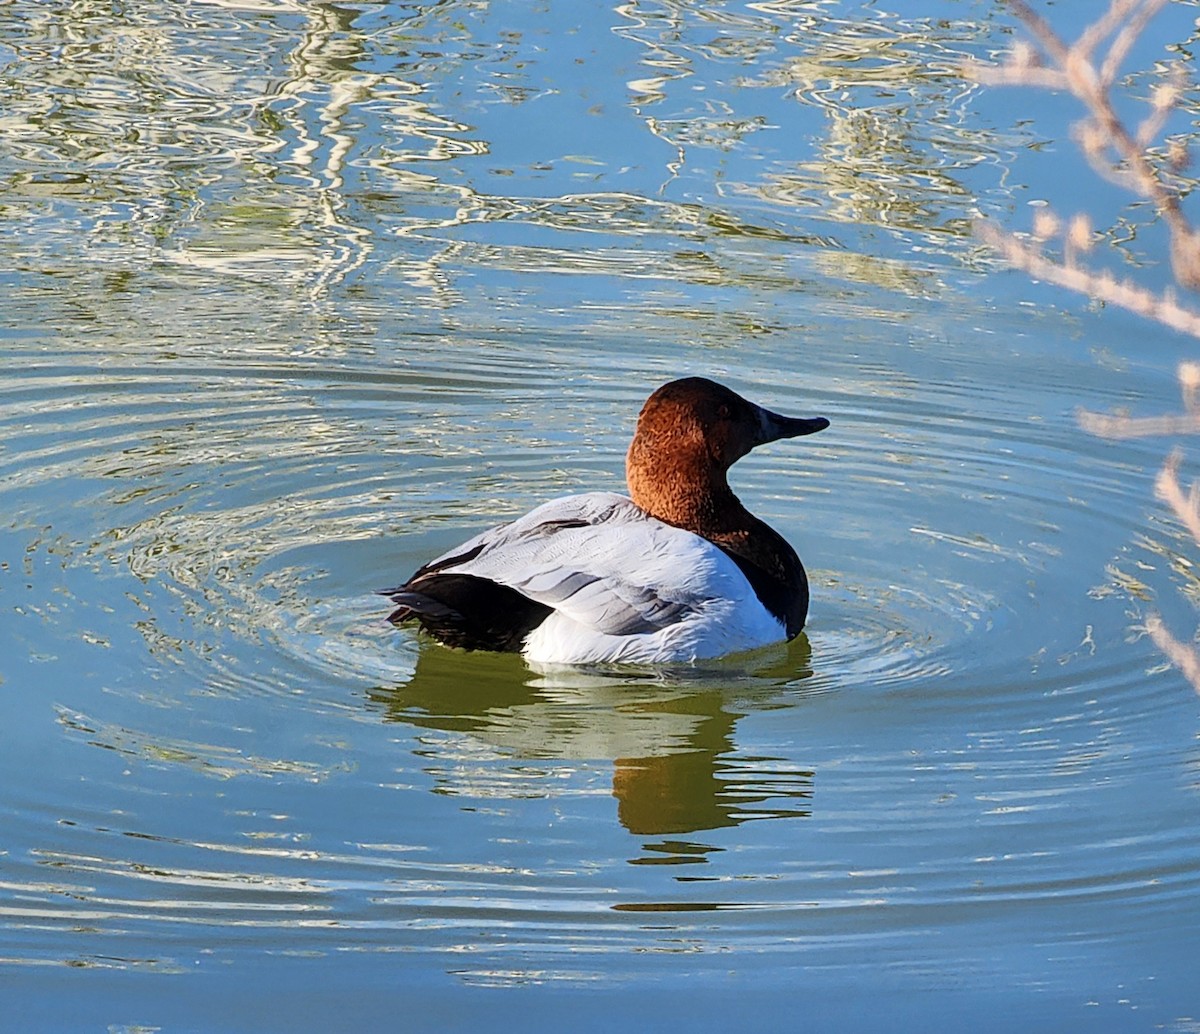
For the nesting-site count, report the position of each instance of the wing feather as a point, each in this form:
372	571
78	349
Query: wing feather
598	559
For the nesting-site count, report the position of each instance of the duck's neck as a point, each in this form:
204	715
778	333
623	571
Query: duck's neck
688	492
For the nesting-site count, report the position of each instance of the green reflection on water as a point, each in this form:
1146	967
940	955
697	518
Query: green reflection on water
670	739
168	145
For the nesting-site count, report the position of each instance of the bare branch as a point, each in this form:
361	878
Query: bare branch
1105	425
1168	489
1179	654
1189	384
1103	285
1040	29
1164	101
1118	11
1123	426
1126	38
1016	75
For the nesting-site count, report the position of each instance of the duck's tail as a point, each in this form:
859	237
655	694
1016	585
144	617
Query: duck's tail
467	612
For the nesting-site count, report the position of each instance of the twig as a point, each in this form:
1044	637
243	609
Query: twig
1126	38
1168	489
1040	28
1019	75
1122	426
1104	425
1179	654
1102	285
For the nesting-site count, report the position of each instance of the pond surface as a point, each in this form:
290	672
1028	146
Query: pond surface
296	296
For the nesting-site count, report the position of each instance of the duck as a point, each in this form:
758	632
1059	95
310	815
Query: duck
678	571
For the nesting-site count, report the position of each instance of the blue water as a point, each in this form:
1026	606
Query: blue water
297	296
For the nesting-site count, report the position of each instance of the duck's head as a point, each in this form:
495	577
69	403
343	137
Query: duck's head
691	431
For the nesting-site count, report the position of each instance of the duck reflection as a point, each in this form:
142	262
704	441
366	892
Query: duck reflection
669	735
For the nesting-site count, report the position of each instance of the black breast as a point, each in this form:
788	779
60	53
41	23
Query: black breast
774	572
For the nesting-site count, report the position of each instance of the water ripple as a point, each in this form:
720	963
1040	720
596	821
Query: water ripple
298	296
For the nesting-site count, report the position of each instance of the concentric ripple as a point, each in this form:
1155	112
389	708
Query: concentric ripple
218	530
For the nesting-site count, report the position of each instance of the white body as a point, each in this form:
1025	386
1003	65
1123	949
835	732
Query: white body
624	586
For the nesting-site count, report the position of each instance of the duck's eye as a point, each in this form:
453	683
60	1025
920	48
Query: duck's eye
723	412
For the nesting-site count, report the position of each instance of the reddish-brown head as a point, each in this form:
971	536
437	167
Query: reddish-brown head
689	433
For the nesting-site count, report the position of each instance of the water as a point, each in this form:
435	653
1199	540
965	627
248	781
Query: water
297	296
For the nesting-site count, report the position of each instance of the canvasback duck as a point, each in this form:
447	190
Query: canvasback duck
680	572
